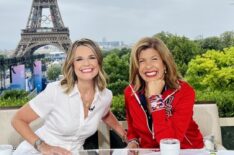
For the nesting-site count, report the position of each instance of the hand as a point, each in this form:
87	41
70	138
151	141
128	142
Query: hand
132	152
154	87
46	149
132	145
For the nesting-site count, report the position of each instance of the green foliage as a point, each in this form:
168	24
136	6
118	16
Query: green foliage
54	71
211	43
12	102
224	100
16	94
118	108
182	49
213	70
13	98
2	56
117	69
119	52
118	86
227	38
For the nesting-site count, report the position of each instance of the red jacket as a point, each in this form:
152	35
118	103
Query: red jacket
179	124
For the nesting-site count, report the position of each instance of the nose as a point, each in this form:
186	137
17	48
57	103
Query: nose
86	61
148	64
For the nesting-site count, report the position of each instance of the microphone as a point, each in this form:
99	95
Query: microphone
91	108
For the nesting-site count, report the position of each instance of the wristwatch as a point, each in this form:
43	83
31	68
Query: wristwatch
37	143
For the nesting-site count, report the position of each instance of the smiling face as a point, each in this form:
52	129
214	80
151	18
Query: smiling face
85	63
151	66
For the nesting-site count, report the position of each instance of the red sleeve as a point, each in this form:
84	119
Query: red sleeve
176	125
131	134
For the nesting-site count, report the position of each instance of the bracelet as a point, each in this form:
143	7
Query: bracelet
37	143
134	141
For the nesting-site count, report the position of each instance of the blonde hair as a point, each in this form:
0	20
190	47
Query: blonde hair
70	78
171	76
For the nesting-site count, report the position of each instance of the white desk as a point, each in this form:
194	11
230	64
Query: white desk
151	152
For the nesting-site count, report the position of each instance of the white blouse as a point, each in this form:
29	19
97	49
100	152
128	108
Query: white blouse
65	125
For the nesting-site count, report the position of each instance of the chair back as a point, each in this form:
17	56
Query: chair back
207	117
8	135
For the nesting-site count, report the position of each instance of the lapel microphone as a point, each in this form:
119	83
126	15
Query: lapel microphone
91	108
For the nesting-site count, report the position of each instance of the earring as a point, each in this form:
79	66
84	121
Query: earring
165	71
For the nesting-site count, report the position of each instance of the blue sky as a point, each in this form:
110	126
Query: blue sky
124	20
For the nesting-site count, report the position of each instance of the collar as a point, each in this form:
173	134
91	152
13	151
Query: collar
75	91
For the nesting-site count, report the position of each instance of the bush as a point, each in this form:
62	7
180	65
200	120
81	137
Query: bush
13	98
118	107
16	94
118	86
224	100
7	103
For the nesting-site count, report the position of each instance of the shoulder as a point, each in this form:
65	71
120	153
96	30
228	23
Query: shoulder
106	93
128	89
186	88
53	88
54	85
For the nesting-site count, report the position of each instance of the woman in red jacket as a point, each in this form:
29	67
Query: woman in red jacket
159	104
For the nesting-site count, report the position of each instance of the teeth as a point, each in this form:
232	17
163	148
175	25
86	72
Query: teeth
150	73
86	70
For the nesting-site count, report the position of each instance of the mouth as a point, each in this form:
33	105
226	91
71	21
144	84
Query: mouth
86	70
151	73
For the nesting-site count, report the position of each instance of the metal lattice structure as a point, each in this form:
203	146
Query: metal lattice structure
36	35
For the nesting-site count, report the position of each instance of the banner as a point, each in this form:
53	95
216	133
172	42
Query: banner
18	77
37	74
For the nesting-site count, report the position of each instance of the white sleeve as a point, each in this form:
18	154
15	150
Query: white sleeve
108	101
43	103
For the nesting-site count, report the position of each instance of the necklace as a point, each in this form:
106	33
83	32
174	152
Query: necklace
87	101
86	104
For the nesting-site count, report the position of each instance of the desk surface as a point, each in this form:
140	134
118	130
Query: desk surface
151	152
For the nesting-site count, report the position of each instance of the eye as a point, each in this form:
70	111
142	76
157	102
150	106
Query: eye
141	60
154	58
78	59
92	57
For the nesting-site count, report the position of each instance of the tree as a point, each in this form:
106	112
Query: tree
213	70
227	39
182	49
53	72
211	43
117	69
119	52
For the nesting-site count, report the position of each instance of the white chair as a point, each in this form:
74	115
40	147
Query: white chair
8	135
207	117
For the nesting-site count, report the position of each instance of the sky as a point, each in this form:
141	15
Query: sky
124	20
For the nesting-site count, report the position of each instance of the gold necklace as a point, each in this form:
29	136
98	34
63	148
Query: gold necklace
87	102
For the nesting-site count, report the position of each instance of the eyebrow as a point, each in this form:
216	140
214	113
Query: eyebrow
151	56
91	55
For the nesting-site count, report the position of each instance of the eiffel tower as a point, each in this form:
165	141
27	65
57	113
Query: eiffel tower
37	32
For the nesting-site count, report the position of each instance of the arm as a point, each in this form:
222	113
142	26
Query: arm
113	123
176	125
132	135
21	121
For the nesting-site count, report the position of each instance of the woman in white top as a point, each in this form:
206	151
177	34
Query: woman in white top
71	108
